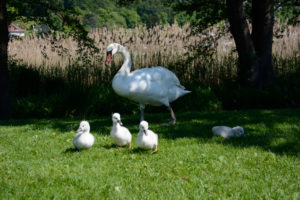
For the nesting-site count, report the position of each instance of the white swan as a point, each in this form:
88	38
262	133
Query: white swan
148	86
120	134
83	139
227	132
146	138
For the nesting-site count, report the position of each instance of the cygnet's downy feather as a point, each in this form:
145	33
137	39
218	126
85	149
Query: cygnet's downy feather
83	139
227	132
120	134
146	138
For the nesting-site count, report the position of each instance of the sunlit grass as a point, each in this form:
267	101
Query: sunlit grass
37	159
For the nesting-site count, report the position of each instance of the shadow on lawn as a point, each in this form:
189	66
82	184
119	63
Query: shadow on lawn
138	150
275	140
71	150
272	130
61	125
111	146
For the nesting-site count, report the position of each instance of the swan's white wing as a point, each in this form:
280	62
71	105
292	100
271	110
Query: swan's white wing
170	82
158	75
154	86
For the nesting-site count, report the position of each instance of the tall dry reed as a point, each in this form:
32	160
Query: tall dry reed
161	45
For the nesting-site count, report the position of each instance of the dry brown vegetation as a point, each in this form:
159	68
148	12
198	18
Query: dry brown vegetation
157	46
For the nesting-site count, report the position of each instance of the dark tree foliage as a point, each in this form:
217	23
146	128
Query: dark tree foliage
41	11
152	12
287	10
126	2
90	20
206	12
5	107
110	13
254	48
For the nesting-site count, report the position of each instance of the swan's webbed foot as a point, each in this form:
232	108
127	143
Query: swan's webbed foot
173	121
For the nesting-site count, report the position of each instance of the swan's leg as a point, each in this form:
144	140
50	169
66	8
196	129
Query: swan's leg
142	107
173	121
172	115
155	149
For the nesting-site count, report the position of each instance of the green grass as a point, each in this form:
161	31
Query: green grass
37	159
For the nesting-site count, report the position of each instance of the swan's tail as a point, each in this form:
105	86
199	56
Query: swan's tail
187	91
183	88
176	93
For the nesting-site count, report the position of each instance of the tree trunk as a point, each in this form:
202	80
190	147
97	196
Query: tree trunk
5	106
254	51
262	36
240	31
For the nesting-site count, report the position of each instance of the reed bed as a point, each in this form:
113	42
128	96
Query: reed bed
171	46
52	82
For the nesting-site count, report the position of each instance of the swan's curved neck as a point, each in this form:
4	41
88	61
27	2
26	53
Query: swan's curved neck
125	69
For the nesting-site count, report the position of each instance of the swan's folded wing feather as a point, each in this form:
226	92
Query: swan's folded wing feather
156	74
163	74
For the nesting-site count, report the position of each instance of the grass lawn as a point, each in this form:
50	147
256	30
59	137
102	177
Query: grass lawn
37	159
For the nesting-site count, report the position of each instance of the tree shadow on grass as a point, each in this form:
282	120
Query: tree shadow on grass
98	126
71	150
277	131
140	151
277	143
272	130
110	146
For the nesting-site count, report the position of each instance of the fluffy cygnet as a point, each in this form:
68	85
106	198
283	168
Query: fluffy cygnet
146	138
83	139
120	134
227	132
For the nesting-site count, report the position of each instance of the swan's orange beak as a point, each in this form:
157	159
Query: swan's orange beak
108	59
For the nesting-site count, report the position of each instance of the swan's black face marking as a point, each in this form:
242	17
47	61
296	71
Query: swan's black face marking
109	52
117	120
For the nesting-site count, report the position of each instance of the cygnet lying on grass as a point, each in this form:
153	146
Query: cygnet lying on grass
83	139
120	134
146	138
227	132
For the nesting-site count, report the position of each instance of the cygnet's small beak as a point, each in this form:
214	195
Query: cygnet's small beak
79	130
119	121
145	132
